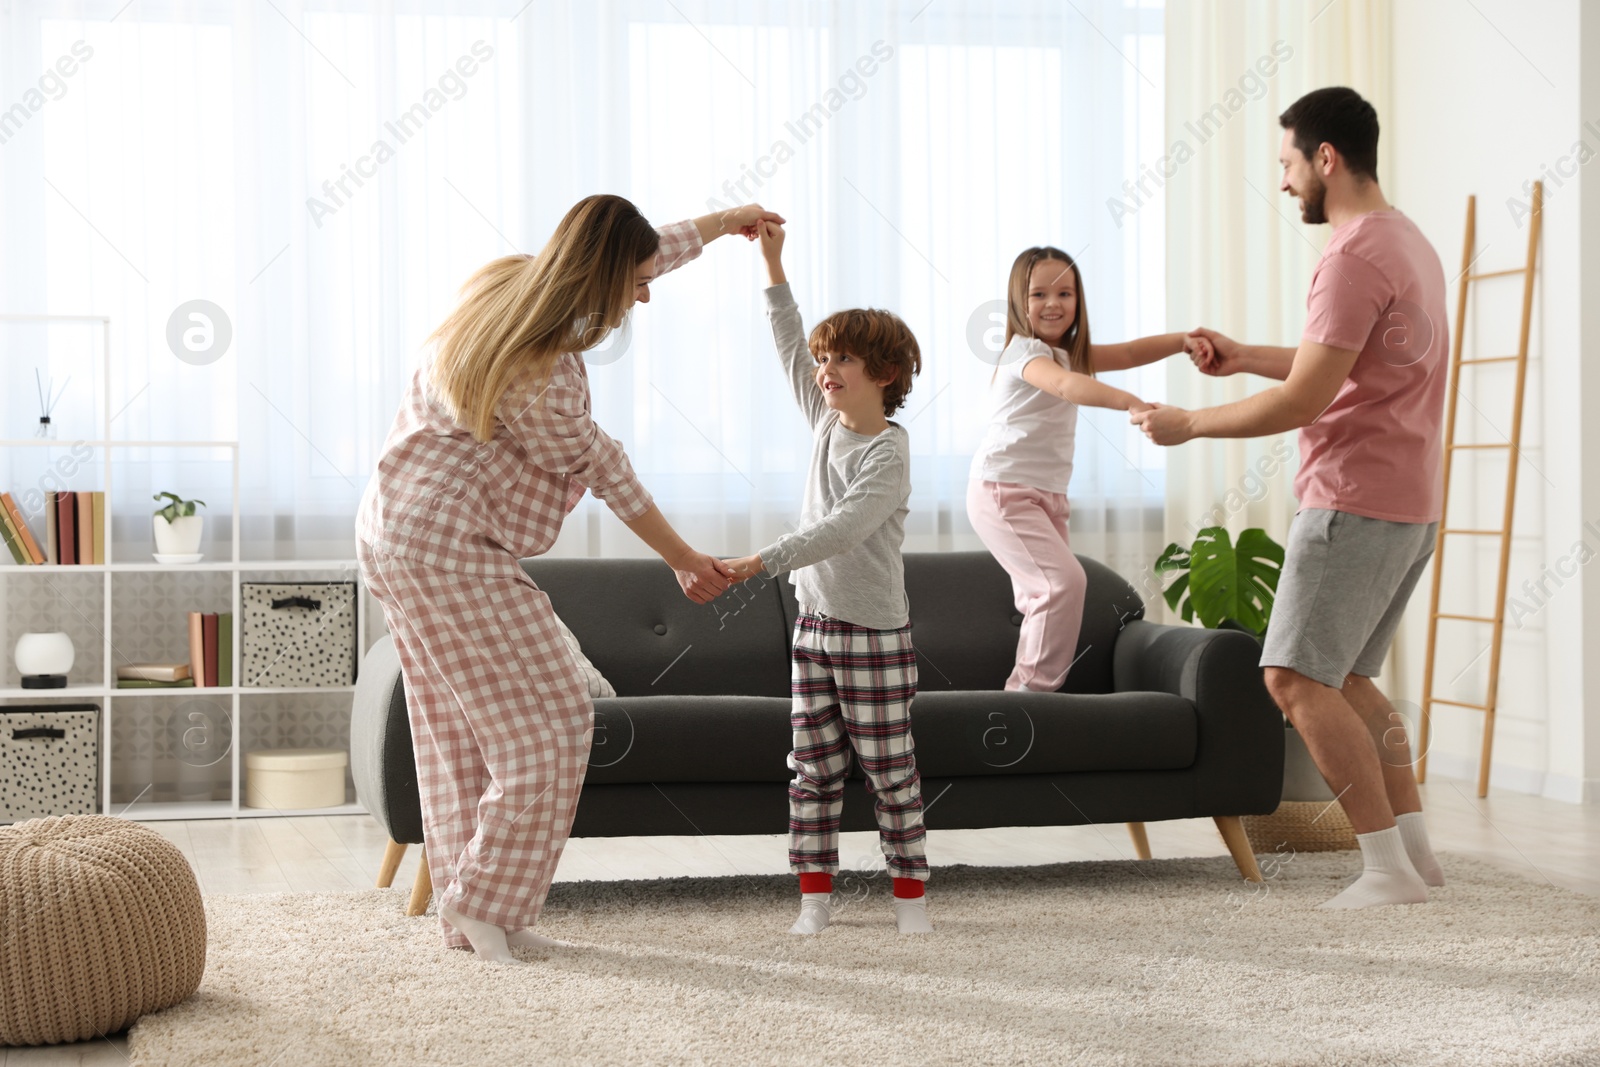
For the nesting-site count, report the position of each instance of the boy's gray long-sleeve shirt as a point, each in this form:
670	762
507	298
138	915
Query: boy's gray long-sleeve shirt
845	557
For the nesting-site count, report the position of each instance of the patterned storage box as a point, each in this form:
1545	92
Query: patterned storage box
297	634
49	761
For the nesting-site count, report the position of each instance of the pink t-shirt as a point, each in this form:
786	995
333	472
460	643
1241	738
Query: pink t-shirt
1376	450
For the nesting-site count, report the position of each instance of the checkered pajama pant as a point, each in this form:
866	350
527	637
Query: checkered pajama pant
501	721
852	690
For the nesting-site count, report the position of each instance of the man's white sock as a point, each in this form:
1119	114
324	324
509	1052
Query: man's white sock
1388	877
814	915
1414	832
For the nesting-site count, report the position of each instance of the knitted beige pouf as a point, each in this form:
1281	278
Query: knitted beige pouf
100	922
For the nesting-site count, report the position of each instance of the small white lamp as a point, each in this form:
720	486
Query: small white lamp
43	660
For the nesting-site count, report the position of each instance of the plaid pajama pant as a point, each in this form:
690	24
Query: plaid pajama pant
852	689
501	721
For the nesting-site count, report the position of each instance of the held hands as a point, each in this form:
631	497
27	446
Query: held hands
744	567
771	235
702	578
746	220
1164	425
1211	352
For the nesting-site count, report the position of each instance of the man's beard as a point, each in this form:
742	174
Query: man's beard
1313	205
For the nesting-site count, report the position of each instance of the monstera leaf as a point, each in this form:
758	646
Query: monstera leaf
1219	581
1174	559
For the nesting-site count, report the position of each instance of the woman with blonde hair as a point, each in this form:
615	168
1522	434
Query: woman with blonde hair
492	448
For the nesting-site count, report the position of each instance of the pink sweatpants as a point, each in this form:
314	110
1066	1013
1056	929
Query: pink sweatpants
1026	529
501	722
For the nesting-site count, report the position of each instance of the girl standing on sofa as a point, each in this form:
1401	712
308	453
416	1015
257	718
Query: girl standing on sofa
1017	489
492	448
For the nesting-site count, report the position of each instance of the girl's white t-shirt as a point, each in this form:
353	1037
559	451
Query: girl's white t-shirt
1030	436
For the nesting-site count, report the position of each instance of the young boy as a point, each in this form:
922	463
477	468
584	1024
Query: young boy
855	671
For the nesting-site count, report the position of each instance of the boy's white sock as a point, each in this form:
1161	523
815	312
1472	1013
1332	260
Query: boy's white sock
488	940
1414	832
814	915
1388	877
911	916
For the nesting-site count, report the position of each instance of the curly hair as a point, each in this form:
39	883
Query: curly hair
882	342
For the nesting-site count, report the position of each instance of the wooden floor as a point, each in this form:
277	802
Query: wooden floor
1544	840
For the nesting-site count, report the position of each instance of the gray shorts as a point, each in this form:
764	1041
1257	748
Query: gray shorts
1346	579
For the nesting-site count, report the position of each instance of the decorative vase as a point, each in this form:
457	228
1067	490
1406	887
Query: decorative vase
180	537
43	660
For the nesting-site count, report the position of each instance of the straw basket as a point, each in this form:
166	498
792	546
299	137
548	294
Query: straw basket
1301	825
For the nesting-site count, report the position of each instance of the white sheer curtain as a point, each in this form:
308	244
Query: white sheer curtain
1239	258
328	175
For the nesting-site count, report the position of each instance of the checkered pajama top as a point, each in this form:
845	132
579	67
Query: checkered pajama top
441	498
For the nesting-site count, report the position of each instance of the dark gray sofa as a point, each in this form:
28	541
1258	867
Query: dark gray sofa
1155	722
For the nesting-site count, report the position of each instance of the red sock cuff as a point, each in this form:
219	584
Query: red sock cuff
816	882
905	888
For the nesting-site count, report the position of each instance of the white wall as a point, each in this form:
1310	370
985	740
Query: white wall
1485	98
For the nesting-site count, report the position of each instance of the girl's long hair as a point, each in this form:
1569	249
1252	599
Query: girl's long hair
519	314
1076	341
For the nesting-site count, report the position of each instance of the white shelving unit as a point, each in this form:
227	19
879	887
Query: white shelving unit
114	700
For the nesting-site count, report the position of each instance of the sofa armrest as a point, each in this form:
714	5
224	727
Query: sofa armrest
1238	767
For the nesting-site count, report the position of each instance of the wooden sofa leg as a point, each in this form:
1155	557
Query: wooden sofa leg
1141	841
1232	830
391	863
422	889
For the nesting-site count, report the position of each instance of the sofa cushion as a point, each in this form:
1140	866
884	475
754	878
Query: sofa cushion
598	686
648	639
747	739
964	734
690	739
964	622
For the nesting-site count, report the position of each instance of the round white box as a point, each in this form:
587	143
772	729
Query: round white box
295	778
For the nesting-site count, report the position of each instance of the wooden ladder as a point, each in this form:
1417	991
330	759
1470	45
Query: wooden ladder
1513	449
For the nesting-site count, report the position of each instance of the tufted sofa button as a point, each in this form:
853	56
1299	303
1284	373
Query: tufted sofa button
661	629
1016	620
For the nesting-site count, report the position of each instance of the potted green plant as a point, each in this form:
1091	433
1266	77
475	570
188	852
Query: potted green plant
1227	586
177	529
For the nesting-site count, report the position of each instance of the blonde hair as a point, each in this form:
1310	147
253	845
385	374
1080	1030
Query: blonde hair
1076	341
519	314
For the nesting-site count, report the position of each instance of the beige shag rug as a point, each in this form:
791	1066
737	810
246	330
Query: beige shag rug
1164	962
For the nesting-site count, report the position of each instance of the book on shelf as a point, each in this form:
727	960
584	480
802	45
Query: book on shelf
150	683
52	531
85	503
208	623
225	649
74	527
153	672
67	524
14	513
12	539
197	648
98	533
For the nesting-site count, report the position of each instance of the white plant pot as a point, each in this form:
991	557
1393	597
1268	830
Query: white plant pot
1301	779
181	537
